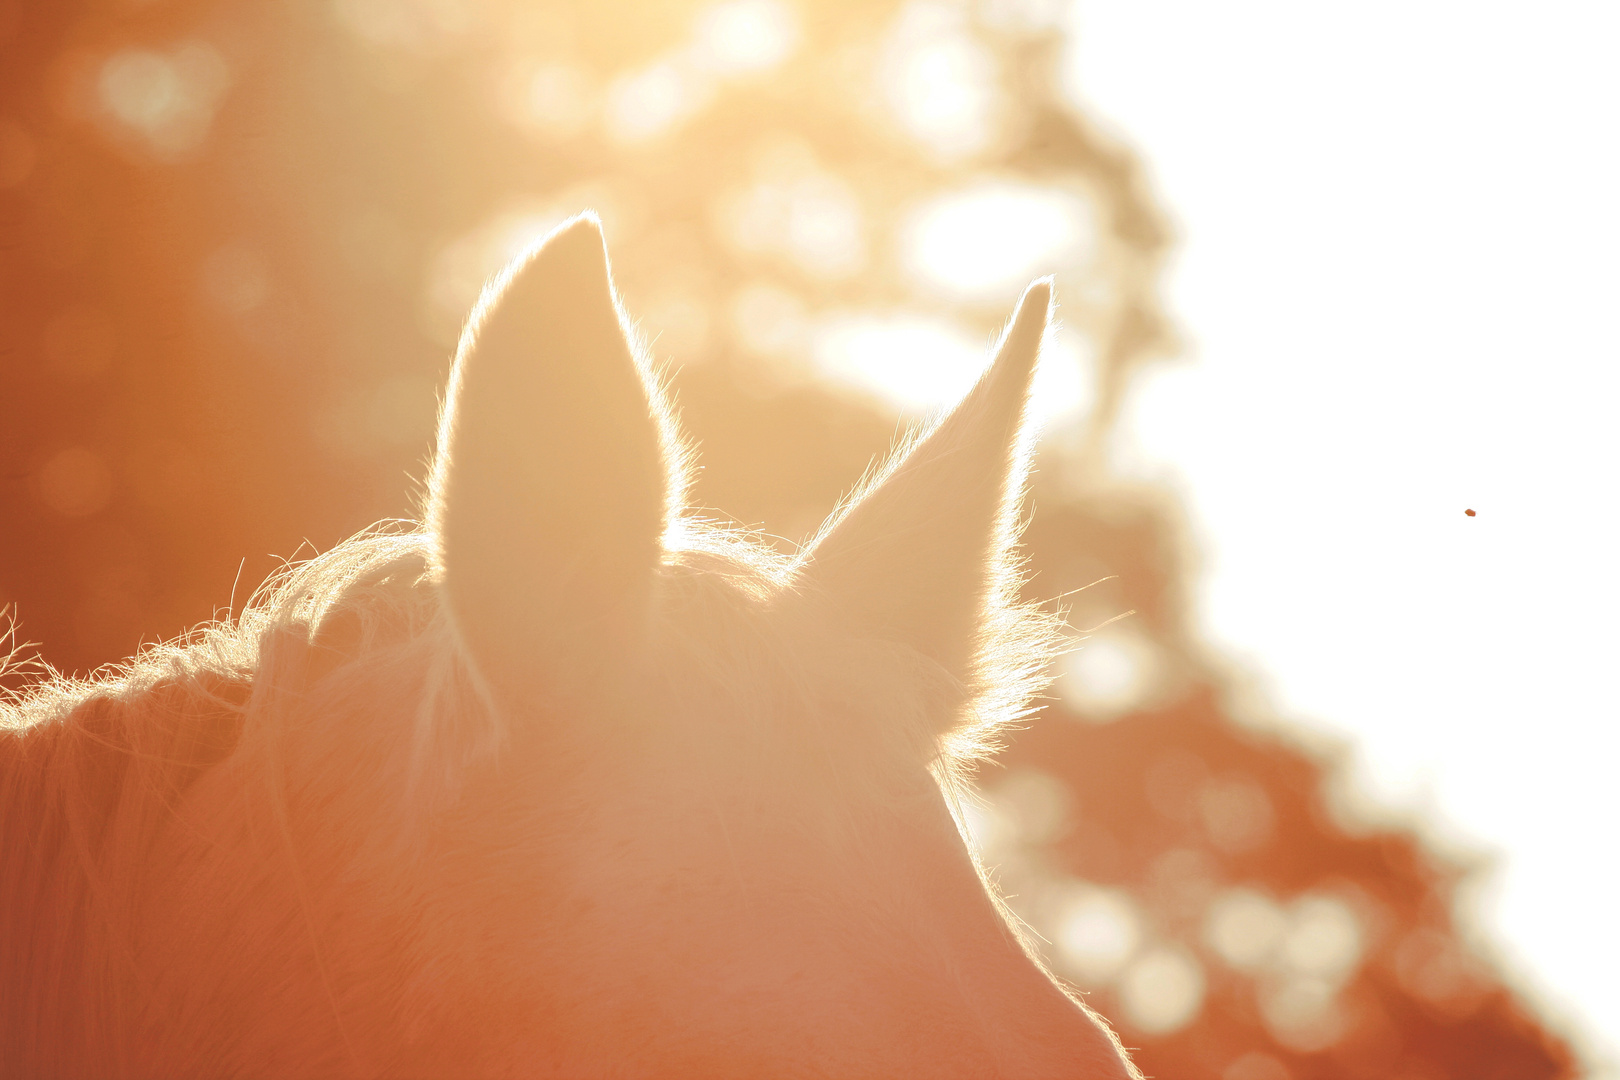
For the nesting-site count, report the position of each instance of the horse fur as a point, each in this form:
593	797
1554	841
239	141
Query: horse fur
565	781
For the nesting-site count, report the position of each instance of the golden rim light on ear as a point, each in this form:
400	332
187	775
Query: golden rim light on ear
559	469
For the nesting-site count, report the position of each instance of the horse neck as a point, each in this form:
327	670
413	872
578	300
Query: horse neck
58	796
1011	1018
899	962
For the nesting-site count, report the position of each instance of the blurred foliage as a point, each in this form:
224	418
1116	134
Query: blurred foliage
236	241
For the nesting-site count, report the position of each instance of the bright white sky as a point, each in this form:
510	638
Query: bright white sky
1397	276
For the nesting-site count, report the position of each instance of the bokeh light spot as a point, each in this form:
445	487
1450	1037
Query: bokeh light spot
1095	931
1112	673
824	227
1236	813
1324	938
1064	383
1256	1065
1034	806
167	99
988	240
745	35
940	82
1244	928
913	362
558	99
422	26
652	101
1302	1013
1181	882
1022	16
799	210
1162	990
1431	967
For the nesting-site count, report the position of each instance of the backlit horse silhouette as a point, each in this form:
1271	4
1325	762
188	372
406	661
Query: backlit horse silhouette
564	783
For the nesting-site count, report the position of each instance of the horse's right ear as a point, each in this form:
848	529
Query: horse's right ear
553	480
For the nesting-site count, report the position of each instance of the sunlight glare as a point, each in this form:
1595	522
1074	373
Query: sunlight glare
990	239
914	363
917	364
1064	382
745	35
652	101
940	82
1022	16
731	38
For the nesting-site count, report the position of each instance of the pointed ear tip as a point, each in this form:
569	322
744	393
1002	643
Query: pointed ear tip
577	241
583	229
570	258
1038	296
586	223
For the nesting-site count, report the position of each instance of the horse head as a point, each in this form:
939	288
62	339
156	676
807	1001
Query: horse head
573	782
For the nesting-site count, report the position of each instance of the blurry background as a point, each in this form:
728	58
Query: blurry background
237	241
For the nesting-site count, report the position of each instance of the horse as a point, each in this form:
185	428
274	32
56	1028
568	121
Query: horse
566	780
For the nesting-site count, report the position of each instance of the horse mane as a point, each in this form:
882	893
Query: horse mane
92	770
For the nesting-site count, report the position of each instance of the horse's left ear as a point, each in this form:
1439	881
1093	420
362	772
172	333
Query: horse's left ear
924	550
552	481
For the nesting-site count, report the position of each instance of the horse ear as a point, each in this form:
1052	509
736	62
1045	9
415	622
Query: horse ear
924	550
554	474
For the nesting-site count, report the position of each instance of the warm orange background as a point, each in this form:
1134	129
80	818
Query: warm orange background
235	239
